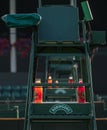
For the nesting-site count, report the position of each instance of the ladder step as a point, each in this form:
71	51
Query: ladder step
56	42
62	117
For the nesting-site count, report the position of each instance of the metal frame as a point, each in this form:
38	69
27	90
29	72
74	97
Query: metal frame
39	112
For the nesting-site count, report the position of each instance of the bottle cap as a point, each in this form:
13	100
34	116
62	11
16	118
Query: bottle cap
50	77
70	77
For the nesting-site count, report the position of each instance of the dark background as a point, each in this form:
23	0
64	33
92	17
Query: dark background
99	61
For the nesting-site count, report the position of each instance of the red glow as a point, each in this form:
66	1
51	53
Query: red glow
81	94
38	95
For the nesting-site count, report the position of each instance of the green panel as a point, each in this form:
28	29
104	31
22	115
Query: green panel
21	20
60	125
60	109
61	67
86	11
60	93
98	37
8	114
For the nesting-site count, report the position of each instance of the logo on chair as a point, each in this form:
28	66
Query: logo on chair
60	107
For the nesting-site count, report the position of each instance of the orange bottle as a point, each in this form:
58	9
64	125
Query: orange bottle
37	93
49	81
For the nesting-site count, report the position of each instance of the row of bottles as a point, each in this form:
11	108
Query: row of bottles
38	90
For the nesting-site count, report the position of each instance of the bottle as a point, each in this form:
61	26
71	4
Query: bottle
49	81
56	82
71	80
81	97
37	92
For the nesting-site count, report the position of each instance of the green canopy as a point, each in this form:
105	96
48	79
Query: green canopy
21	20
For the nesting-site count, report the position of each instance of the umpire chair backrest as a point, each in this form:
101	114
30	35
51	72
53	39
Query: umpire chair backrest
59	23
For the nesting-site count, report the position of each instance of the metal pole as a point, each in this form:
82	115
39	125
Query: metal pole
40	3
13	66
73	3
17	111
